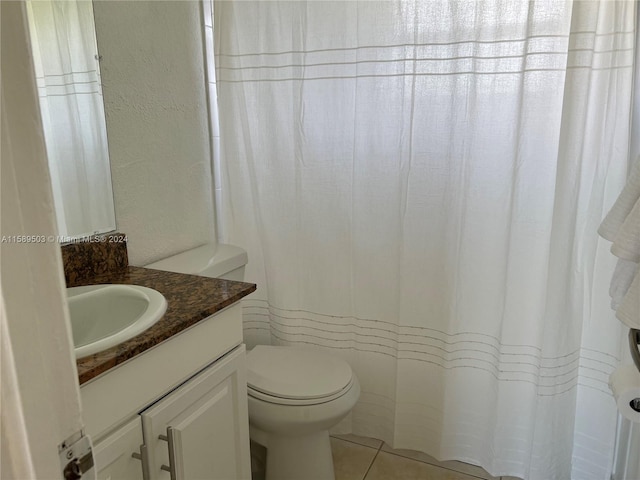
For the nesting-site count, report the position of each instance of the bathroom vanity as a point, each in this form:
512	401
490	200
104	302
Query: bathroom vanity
172	402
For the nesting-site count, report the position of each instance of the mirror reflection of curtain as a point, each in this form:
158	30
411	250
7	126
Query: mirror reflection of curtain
419	186
68	78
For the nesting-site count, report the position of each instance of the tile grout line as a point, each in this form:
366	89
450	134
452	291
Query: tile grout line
372	461
440	466
361	444
393	452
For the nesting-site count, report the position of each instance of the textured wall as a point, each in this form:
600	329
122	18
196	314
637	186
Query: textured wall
156	110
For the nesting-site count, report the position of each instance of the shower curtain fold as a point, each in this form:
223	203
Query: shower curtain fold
419	186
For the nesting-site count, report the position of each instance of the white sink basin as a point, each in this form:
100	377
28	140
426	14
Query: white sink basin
103	316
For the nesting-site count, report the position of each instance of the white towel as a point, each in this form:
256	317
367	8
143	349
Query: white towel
622	207
622	227
629	310
621	281
626	243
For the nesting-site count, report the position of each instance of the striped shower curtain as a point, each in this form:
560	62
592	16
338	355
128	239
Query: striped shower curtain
419	185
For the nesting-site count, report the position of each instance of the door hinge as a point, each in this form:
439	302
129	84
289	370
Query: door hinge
76	458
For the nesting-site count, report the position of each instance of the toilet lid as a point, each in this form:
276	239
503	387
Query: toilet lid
296	373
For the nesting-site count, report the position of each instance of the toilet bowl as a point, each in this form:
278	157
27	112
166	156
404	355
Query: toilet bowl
295	395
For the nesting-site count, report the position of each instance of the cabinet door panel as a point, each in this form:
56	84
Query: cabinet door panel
113	454
204	436
209	423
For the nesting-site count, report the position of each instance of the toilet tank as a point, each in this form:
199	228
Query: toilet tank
217	260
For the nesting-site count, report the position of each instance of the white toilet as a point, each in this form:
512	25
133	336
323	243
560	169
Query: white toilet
295	394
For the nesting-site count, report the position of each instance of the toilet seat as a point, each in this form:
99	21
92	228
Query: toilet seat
296	376
296	401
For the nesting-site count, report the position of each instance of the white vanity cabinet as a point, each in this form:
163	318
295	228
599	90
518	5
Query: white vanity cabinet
177	411
199	431
113	456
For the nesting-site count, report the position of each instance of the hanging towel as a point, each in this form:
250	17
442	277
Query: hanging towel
626	244
621	281
622	227
623	206
629	310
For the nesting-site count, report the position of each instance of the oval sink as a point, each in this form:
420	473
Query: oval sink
103	316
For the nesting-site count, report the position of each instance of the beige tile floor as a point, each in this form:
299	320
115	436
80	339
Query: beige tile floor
361	458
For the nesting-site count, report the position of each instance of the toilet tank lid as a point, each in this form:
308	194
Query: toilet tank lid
209	260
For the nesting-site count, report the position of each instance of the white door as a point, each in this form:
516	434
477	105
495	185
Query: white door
201	430
40	392
119	456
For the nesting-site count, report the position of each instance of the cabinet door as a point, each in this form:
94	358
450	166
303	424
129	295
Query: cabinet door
113	454
201	429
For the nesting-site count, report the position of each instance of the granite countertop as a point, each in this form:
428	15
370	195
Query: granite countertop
190	298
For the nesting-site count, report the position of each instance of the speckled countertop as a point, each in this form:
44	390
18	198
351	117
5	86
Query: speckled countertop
190	298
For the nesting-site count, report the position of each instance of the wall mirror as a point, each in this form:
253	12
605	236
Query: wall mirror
67	69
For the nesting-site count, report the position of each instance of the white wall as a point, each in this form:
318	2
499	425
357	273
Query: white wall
156	109
40	392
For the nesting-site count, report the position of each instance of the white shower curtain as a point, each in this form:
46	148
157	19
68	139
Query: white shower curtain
419	185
